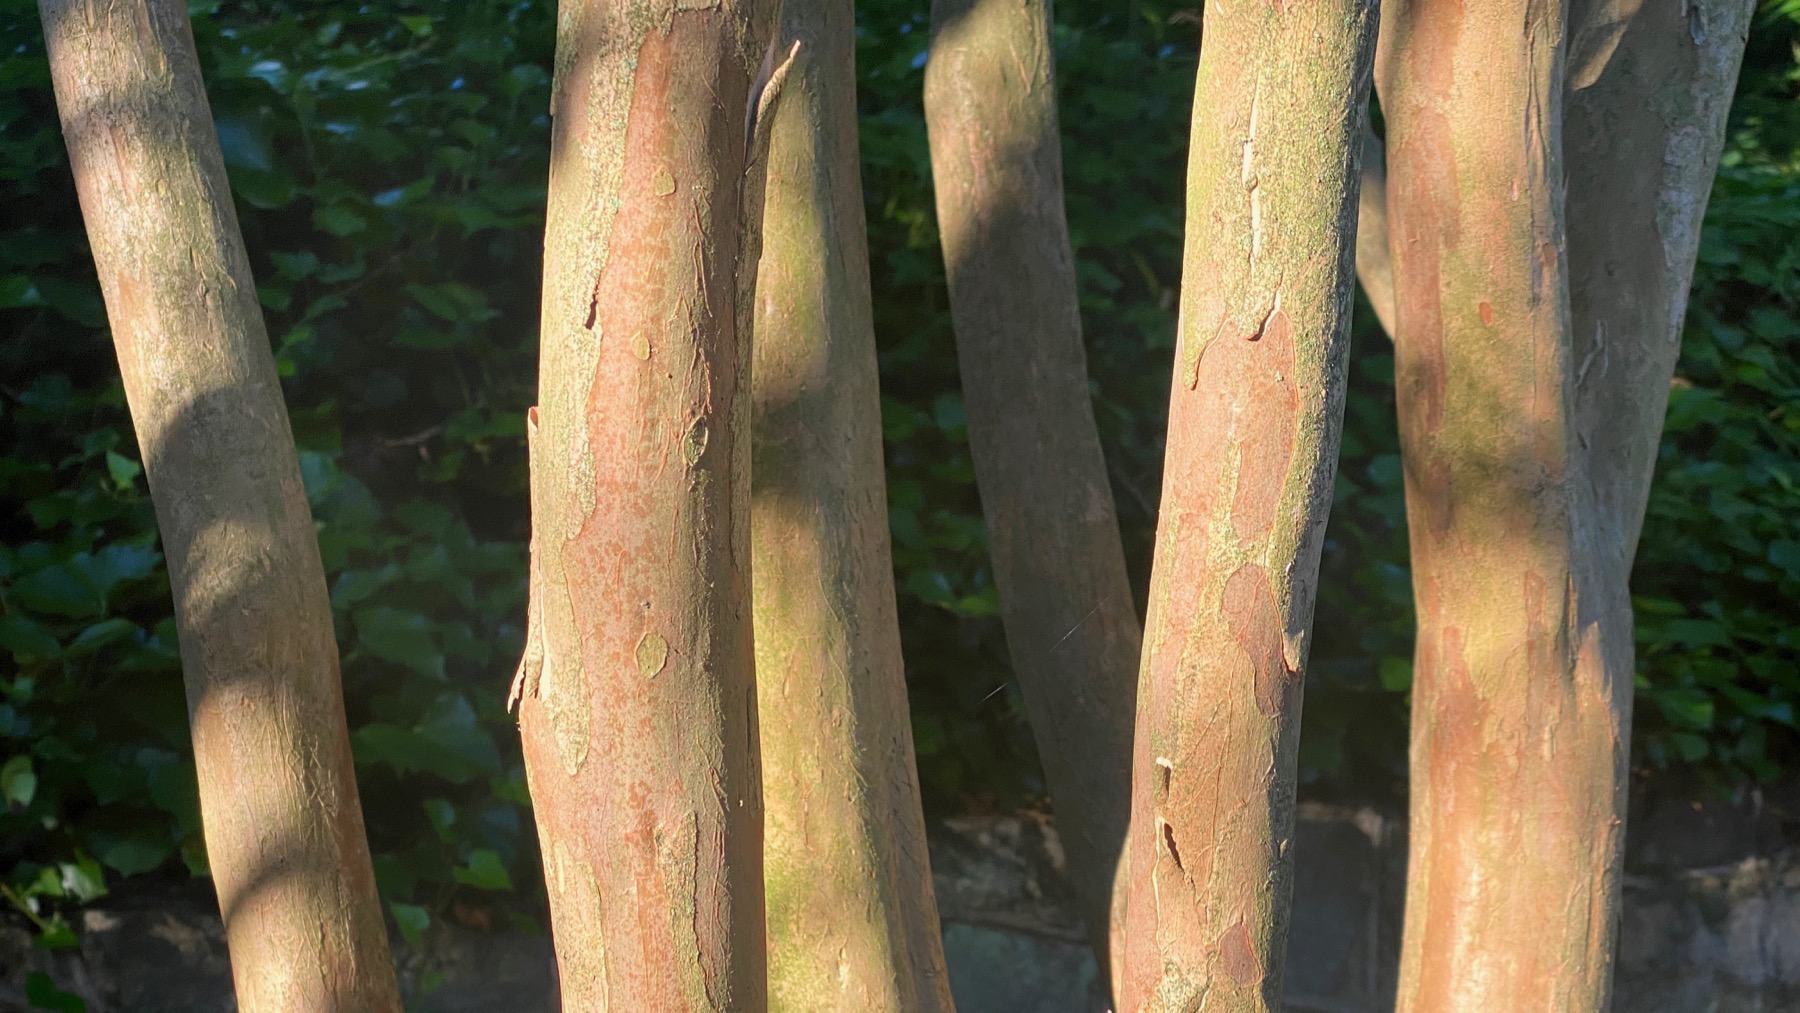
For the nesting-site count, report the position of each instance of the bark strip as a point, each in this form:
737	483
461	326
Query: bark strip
1255	414
1053	535
852	919
1534	346
637	692
283	825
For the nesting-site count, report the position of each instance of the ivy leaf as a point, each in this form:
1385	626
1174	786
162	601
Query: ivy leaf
18	781
401	637
484	871
412	921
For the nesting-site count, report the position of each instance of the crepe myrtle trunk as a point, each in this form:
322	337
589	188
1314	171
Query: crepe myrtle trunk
1255	414
283	826
1053	535
852	921
637	695
1535	334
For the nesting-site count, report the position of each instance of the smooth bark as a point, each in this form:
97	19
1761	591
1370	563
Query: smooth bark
1256	409
637	696
1534	344
852	920
283	826
1053	535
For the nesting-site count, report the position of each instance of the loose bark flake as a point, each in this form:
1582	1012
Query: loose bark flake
1255	413
283	826
1065	599
852	920
637	695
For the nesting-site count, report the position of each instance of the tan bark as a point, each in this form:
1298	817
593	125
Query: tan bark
637	695
283	826
1053	536
852	920
1254	419
1528	431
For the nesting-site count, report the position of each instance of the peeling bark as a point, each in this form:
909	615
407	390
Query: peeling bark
1053	536
1254	420
637	696
1533	352
283	825
852	920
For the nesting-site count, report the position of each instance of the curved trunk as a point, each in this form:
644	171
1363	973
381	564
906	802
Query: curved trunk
852	919
1532	362
1254	418
284	829
1053	536
637	693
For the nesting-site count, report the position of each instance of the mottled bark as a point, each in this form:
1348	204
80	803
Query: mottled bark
637	695
852	920
1528	430
1053	536
283	826
1256	409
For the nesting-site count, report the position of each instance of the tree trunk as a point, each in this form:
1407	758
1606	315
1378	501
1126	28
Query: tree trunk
1254	418
637	695
1053	537
284	829
1528	431
852	919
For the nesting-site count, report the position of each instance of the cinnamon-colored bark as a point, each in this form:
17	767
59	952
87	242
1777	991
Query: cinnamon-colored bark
283	826
1053	536
852	920
637	692
1255	414
1527	430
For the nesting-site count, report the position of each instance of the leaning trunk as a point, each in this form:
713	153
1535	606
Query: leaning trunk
1533	355
637	693
1255	412
852	919
1065	599
284	829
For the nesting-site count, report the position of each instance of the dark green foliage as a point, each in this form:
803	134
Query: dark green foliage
390	161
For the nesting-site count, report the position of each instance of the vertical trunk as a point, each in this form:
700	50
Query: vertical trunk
1533	368
852	919
1254	419
1065	599
284	831
637	695
1643	142
1520	701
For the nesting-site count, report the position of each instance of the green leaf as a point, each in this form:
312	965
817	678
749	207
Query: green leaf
401	637
340	221
484	871
27	639
60	589
418	24
102	634
18	781
1396	674
412	921
42	993
83	879
130	856
124	470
